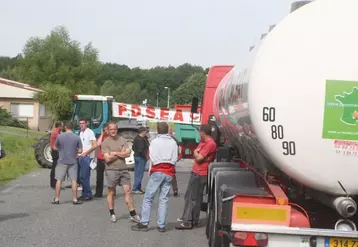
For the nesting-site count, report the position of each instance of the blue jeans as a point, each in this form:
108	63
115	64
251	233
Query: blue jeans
163	183
139	168
85	174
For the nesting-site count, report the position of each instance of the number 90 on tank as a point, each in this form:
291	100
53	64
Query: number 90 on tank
300	92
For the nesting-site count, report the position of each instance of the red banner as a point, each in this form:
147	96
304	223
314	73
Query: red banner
151	113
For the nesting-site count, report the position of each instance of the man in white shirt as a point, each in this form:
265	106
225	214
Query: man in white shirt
89	145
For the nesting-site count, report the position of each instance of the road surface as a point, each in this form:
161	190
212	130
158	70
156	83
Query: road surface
28	219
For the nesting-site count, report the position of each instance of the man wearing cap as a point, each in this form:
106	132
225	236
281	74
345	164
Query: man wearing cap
140	148
204	154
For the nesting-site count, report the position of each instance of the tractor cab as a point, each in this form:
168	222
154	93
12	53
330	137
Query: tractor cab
95	108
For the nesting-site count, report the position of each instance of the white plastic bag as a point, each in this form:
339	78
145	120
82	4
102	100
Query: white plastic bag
149	165
93	164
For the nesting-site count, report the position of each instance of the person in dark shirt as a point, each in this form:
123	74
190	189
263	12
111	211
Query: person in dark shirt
174	181
54	153
140	148
101	163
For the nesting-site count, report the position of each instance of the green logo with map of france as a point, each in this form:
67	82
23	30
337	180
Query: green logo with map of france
341	110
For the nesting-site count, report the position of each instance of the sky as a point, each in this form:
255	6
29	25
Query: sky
146	33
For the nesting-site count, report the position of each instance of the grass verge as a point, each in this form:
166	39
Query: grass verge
23	131
19	158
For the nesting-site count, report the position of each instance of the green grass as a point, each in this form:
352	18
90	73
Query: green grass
20	130
19	159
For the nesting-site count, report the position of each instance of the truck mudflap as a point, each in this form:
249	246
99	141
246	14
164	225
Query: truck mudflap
279	236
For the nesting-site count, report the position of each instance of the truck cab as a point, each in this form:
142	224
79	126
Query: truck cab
95	108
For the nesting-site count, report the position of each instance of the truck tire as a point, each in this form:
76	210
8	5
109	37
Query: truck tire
214	239
242	181
129	135
2	154
43	152
212	168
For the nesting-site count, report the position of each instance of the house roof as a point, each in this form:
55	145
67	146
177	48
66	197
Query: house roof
16	90
18	85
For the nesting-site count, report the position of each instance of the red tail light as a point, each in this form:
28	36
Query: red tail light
250	239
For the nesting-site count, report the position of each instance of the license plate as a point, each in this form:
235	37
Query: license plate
342	242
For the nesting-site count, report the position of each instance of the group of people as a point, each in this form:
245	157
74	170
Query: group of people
73	154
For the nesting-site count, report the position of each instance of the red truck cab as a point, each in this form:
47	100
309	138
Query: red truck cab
214	77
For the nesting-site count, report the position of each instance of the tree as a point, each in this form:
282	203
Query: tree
192	87
59	61
56	59
60	68
130	93
57	99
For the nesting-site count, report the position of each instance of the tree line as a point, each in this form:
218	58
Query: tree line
60	67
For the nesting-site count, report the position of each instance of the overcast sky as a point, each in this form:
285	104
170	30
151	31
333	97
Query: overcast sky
146	33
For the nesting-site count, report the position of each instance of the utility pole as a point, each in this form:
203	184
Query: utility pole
168	96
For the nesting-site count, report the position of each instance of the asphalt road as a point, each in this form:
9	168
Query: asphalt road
28	219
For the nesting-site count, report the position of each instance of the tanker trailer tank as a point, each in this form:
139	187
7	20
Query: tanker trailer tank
296	101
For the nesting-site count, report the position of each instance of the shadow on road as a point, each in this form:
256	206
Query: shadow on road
4	217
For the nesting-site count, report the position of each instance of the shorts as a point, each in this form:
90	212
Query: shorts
115	177
62	170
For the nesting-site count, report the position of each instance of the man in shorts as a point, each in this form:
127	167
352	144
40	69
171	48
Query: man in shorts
69	146
115	149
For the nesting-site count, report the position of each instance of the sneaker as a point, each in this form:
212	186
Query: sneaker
113	218
138	192
175	192
79	188
180	219
135	218
77	202
183	226
140	227
55	201
85	198
161	229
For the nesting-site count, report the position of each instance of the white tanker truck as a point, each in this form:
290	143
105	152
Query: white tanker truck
291	118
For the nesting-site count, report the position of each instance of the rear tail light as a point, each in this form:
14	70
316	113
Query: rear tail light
250	239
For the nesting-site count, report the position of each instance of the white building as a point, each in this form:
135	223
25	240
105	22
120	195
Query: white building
18	98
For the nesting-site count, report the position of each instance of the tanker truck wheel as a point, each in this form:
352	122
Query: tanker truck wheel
214	239
43	152
129	136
